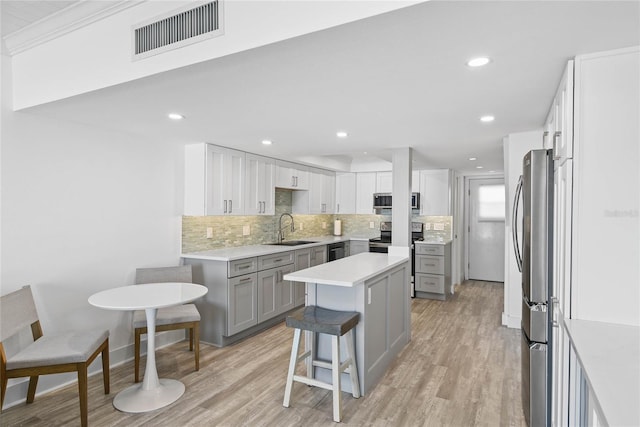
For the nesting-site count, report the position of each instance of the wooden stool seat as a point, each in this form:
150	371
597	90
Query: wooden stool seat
316	320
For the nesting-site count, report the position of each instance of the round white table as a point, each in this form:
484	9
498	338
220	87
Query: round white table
153	393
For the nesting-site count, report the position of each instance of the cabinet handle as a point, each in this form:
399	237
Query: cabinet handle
296	180
246	279
225	206
337	207
554	321
556	135
230	206
264	207
293	181
244	267
277	260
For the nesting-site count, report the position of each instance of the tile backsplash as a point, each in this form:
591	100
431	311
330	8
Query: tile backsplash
228	230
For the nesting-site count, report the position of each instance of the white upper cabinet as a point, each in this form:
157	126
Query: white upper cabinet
560	136
260	185
291	176
345	193
365	187
320	198
384	182
435	198
214	180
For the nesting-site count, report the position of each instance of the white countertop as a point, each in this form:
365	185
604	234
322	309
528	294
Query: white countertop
610	356
432	242
240	252
152	295
349	271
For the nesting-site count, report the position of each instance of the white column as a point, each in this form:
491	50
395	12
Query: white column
402	159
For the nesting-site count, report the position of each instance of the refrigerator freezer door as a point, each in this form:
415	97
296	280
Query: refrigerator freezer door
537	190
534	321
534	382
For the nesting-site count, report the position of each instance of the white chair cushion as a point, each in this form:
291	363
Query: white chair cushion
69	347
169	315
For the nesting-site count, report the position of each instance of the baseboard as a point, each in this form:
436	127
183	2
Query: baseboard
511	321
17	387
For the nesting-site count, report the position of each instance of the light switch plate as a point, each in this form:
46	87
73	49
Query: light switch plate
209	232
371	224
324	225
438	227
246	230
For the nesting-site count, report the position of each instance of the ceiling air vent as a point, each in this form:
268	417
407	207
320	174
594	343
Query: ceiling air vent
177	30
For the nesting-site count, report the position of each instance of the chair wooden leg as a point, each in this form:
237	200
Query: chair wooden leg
31	392
3	390
82	392
136	356
196	344
190	330
105	368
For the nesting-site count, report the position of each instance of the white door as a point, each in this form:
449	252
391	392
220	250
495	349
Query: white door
485	229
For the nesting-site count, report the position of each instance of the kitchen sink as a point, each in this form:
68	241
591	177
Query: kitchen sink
292	243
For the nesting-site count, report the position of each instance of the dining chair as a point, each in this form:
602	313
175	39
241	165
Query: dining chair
48	354
184	316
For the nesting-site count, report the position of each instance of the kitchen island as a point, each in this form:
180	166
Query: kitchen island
377	286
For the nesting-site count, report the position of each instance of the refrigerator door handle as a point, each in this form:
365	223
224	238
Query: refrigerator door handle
554	306
514	224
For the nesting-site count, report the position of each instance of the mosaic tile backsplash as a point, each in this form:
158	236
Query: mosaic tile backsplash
228	230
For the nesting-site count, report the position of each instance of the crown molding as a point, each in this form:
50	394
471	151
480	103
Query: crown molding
72	18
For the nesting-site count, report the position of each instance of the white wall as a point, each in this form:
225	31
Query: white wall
515	145
81	209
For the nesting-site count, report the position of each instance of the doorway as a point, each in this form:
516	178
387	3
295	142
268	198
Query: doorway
485	208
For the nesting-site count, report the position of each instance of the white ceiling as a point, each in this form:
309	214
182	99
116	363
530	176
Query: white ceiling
394	80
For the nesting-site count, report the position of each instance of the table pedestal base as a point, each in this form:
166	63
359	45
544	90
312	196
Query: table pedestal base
134	399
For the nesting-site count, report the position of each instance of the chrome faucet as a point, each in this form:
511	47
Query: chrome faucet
281	229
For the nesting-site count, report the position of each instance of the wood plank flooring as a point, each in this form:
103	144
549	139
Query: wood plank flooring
461	368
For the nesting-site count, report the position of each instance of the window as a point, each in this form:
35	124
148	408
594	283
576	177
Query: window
491	205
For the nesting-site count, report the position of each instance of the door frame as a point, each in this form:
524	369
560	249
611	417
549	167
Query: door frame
464	199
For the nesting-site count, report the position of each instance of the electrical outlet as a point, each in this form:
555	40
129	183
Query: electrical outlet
246	230
371	224
324	225
301	226
439	227
209	232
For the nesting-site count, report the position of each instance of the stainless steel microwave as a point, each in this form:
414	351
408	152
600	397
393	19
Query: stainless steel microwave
384	201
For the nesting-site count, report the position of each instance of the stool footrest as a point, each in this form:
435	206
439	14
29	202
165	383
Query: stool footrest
313	382
344	366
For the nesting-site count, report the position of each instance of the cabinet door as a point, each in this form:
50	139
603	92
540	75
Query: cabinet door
301	175
267	298
242	300
285	175
328	192
345	193
318	255
435	200
365	187
224	181
358	247
285	290
563	176
384	182
562	138
315	192
260	185
302	261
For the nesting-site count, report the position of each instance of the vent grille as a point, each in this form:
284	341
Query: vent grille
177	30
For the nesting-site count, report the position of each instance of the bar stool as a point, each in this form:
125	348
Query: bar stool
324	321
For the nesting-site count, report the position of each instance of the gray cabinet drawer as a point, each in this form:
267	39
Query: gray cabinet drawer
275	260
242	266
429	264
422	249
429	283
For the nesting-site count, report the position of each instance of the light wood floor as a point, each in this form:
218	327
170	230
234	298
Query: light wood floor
460	369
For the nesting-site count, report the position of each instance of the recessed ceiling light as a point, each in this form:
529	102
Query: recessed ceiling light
267	142
175	116
472	158
478	62
478	167
341	134
487	119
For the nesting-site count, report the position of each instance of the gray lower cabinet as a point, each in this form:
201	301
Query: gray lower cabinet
244	296
243	300
358	246
305	258
432	270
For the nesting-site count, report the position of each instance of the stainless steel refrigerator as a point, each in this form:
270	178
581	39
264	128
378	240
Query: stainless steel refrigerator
534	203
